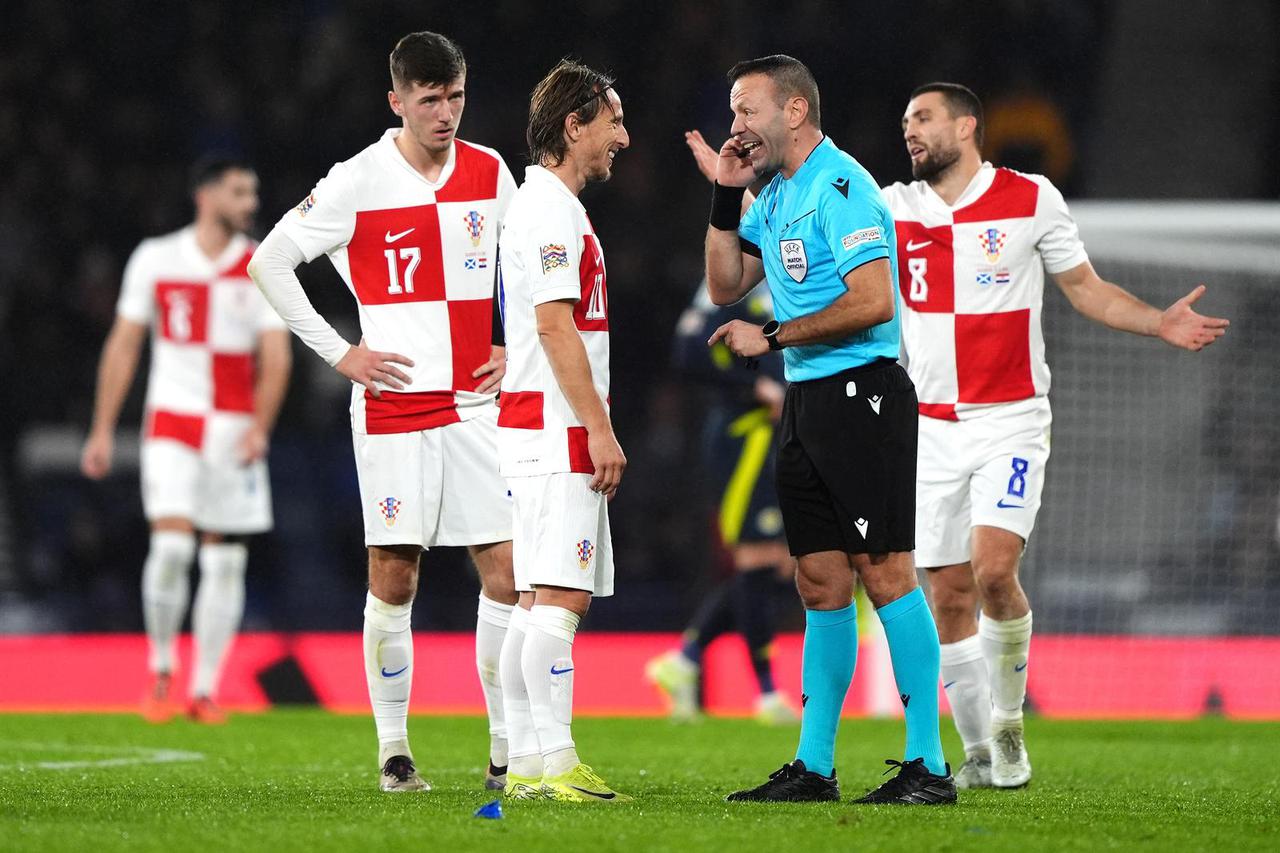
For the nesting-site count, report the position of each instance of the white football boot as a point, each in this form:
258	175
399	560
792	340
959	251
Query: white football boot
1010	767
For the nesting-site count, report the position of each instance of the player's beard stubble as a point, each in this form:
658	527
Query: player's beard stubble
935	163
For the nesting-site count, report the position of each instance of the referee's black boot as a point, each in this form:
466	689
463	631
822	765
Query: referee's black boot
913	786
793	783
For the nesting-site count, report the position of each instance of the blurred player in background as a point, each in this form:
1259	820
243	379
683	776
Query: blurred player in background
744	402
219	369
559	453
974	243
411	224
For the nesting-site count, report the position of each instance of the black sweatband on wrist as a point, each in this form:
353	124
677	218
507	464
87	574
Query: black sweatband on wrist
726	207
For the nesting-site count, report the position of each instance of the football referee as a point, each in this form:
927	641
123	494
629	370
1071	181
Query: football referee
821	235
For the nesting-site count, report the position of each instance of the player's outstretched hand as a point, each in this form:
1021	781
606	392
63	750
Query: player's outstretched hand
95	459
733	165
253	445
608	459
365	367
743	339
493	370
1183	327
704	155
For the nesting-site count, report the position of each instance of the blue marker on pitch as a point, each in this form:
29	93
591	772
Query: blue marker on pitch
490	811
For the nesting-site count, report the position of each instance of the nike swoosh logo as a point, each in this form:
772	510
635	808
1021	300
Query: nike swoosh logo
912	245
391	238
596	794
1017	668
1000	503
948	684
386	674
555	671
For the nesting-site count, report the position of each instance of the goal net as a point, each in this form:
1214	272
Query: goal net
1160	526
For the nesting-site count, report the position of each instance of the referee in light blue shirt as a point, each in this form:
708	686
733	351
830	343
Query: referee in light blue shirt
821	235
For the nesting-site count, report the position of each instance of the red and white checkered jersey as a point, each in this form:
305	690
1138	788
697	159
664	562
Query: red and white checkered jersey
972	282
205	317
549	252
419	257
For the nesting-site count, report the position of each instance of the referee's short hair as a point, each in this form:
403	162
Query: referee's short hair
569	88
960	101
426	59
791	77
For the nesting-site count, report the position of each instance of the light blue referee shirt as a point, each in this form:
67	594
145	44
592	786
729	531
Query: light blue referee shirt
811	229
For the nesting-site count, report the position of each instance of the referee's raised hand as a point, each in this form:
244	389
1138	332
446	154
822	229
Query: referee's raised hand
734	168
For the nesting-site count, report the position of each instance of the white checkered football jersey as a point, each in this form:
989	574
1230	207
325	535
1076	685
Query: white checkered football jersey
205	317
549	252
420	259
972	282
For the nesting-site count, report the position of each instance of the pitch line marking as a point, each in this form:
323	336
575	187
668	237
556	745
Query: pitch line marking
140	755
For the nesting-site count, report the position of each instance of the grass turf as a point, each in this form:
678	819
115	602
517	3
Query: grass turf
303	779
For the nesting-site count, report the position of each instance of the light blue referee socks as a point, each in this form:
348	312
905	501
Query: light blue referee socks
913	647
830	654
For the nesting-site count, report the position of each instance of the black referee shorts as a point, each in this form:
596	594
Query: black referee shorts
847	462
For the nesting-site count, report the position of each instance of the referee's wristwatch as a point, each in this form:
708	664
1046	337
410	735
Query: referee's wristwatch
770	331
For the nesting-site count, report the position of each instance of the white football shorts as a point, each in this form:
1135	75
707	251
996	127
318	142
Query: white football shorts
434	487
986	471
210	487
561	534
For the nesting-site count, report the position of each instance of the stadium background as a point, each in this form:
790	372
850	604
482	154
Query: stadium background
1161	512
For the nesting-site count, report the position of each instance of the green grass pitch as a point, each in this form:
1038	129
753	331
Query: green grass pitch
305	780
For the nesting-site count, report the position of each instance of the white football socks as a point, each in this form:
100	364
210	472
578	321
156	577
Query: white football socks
1006	645
548	675
524	757
165	590
964	677
218	609
492	619
388	667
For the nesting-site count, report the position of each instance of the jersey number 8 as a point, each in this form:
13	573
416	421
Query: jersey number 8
919	287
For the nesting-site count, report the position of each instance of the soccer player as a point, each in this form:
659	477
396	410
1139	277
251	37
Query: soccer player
821	235
975	242
745	404
557	445
411	224
219	369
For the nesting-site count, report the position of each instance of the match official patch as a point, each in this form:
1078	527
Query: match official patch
554	257
857	238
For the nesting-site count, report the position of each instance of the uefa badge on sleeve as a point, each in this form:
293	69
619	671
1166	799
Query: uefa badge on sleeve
794	260
585	552
389	509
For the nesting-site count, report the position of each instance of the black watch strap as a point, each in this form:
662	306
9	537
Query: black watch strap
770	331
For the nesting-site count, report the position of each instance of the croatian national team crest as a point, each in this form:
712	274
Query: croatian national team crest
794	260
585	552
992	241
475	226
389	508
